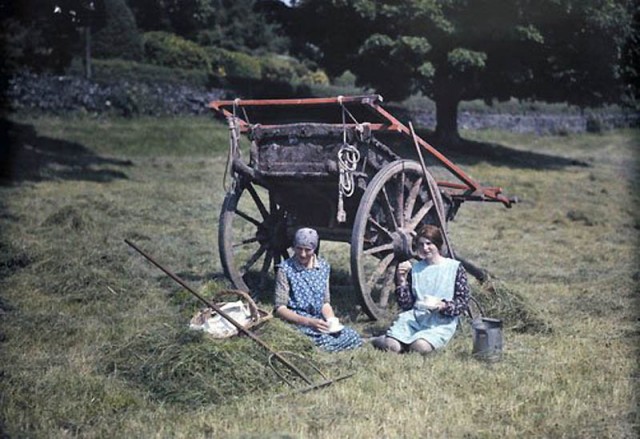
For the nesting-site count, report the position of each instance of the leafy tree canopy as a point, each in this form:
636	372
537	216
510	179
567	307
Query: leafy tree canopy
120	37
43	34
454	50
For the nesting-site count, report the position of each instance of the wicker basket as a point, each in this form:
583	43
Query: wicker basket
258	315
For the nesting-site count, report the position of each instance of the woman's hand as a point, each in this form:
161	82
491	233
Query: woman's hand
318	324
442	305
401	272
291	316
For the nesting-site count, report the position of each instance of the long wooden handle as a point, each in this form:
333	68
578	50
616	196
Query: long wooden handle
435	195
217	309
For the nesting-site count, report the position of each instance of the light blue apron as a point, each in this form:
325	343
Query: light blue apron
420	323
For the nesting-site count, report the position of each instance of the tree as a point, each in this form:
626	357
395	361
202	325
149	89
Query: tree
84	15
120	37
151	15
43	34
240	25
36	36
456	50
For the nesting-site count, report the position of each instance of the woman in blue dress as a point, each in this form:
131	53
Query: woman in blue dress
302	296
433	293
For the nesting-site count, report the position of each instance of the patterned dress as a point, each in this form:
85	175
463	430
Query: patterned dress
304	291
446	280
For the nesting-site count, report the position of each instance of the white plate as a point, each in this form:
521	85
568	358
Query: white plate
334	330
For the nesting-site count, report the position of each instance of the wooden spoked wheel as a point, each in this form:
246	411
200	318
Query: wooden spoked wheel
395	204
252	238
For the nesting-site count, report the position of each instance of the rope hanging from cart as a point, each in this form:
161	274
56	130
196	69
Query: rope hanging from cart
348	158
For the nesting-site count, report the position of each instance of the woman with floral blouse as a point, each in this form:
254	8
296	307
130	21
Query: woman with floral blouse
432	293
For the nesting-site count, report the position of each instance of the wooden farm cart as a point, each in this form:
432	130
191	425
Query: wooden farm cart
334	164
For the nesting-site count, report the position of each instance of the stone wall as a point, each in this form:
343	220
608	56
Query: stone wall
544	124
64	94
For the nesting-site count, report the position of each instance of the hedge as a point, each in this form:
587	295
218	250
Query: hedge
170	50
105	70
225	63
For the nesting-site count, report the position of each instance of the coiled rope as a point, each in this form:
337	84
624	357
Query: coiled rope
348	158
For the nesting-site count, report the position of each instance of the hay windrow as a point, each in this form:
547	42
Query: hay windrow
70	218
87	271
12	259
187	367
498	300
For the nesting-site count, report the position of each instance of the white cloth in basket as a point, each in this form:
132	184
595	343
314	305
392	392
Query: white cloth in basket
218	326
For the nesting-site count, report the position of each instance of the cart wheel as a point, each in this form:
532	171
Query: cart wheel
395	203
251	238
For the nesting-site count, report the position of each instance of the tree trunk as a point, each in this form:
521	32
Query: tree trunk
87	52
447	119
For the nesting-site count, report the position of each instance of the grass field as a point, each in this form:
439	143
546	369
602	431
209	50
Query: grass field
94	340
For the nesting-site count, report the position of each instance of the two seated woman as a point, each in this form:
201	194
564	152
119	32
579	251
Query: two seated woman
432	293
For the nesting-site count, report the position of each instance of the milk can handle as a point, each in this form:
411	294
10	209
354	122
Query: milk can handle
477	304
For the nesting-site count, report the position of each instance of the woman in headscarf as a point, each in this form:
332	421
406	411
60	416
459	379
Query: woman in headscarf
302	296
433	293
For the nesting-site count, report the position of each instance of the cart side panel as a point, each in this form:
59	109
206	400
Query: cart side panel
296	150
309	149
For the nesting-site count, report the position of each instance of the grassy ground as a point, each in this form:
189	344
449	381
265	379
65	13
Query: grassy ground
94	339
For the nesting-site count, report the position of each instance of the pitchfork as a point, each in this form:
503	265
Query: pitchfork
280	356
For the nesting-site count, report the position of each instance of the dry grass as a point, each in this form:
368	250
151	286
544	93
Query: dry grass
94	339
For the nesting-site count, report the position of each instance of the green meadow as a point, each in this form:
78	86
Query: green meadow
94	340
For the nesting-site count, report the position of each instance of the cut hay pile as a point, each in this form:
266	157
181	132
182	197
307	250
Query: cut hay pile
494	298
179	365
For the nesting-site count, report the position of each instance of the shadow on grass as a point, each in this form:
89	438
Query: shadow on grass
26	156
469	152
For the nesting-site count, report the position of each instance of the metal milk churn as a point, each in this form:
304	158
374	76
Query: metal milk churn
487	339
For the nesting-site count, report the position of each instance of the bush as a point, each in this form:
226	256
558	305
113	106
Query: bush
322	90
169	50
278	69
225	63
594	123
105	70
268	76
120	37
346	79
319	77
